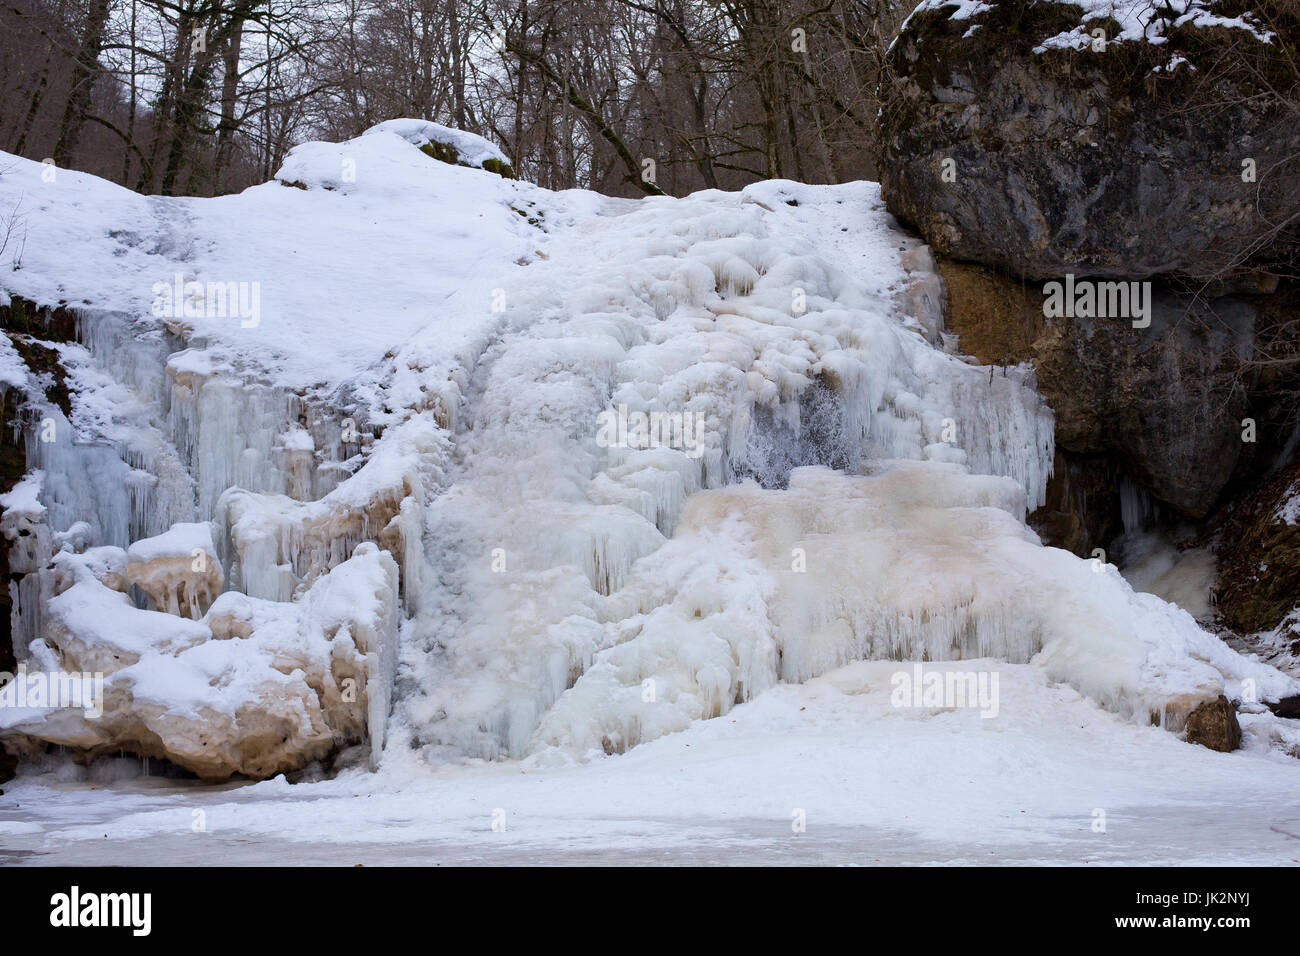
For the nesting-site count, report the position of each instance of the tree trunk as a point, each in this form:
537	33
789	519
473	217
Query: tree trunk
33	108
229	125
84	74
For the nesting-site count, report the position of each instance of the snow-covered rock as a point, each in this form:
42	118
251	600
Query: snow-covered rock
22	524
1135	20
179	569
255	688
448	144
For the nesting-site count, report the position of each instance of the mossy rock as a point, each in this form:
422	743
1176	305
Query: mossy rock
446	153
443	152
502	169
45	361
52	323
1259	556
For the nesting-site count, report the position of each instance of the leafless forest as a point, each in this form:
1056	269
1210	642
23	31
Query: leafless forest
207	97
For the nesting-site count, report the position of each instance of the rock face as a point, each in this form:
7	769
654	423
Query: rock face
1082	511
1214	724
1162	405
1010	139
1165	403
1043	141
997	317
1259	555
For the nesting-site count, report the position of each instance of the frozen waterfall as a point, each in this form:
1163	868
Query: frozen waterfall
504	472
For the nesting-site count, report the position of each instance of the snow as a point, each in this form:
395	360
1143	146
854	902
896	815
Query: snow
24	497
13	373
179	569
397	476
225	674
877	785
251	687
105	632
327	259
1289	509
1279	646
964	9
181	540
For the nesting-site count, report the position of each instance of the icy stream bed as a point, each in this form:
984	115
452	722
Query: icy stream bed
875	786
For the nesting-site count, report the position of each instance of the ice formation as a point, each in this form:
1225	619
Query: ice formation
179	569
388	514
912	561
255	687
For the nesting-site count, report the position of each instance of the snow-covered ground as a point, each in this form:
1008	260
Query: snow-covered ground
875	784
416	446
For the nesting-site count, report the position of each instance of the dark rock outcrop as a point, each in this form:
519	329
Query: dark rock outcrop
1214	724
28	328
1259	556
1025	153
1161	405
1288	707
1126	161
1165	403
1257	548
13	465
1082	510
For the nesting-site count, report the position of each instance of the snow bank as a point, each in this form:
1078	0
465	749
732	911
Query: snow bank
383	236
96	628
24	498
